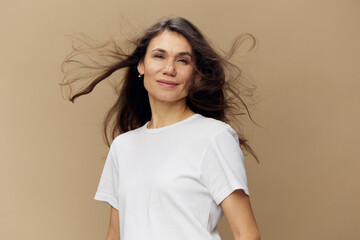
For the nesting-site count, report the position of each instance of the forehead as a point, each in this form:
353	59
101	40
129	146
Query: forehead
171	42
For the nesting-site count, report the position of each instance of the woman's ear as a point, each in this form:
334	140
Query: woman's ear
140	67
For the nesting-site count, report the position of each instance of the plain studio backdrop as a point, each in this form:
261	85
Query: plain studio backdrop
305	67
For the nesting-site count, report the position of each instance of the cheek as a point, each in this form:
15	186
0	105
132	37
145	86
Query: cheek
147	84
152	68
188	77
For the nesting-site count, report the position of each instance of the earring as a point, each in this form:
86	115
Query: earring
139	76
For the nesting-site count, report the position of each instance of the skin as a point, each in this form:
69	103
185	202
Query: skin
114	225
238	212
169	57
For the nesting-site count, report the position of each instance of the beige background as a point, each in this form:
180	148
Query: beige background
306	68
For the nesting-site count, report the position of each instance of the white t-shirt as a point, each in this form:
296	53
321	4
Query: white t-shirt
168	182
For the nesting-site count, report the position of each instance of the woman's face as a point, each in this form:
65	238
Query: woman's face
167	67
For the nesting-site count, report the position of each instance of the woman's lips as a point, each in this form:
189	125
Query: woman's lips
167	84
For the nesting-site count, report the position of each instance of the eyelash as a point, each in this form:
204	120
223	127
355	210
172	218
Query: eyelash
158	56
183	60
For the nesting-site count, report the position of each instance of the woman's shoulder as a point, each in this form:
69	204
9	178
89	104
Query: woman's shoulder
212	122
126	136
212	126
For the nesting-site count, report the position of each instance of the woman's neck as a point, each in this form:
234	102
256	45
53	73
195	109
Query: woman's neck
164	114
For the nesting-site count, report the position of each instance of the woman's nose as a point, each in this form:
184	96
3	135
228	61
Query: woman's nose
170	69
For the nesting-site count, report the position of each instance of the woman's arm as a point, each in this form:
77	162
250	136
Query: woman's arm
114	231
238	212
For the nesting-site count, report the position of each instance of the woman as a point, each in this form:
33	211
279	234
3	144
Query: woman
174	166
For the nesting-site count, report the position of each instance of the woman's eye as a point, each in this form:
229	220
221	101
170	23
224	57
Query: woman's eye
183	60
159	56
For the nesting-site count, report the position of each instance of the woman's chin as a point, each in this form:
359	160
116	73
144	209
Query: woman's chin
167	98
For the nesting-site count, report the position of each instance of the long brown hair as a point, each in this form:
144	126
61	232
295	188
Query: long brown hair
215	95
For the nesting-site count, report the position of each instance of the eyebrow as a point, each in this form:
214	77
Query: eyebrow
164	51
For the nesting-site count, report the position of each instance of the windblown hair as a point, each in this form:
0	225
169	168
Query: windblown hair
215	95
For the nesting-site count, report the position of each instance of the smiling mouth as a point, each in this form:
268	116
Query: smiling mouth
167	84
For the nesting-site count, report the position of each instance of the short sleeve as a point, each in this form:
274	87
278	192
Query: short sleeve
109	181
222	167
